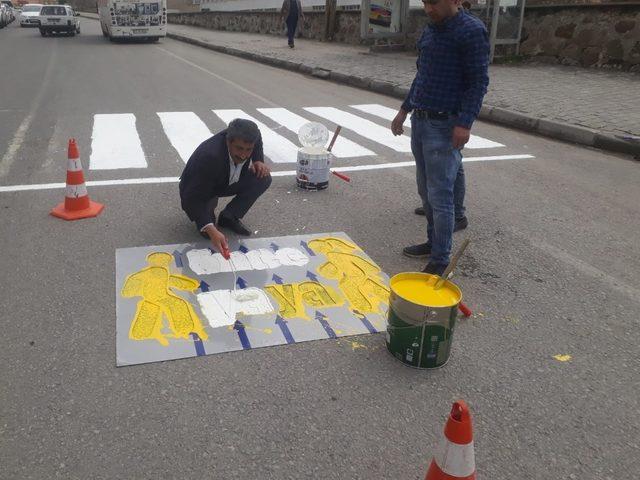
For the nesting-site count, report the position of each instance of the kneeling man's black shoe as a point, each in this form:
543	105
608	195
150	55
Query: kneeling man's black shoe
435	268
233	224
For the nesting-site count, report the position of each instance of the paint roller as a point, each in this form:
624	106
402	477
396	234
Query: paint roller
333	140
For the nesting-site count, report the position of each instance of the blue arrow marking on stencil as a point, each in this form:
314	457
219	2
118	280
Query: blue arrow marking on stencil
277	279
365	321
243	249
306	247
274	247
282	323
204	286
327	328
241	283
197	342
242	335
177	258
311	276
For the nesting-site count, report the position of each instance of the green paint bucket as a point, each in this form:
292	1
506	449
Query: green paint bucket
421	319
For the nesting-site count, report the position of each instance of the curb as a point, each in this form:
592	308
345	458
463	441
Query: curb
541	126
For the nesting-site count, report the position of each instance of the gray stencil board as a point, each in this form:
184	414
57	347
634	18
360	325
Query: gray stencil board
159	300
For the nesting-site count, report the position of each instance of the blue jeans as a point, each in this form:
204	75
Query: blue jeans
292	23
437	167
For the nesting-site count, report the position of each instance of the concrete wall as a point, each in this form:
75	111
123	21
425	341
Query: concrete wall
599	36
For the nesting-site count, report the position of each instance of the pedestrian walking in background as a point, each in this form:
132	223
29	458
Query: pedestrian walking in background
445	97
291	12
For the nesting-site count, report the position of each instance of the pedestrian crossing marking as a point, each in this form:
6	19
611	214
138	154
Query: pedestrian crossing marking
363	127
275	146
343	148
185	131
389	114
115	143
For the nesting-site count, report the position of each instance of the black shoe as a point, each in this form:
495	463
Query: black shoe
417	251
233	224
435	268
460	224
419	211
291	45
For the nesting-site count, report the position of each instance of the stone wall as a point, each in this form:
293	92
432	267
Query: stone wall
585	36
599	36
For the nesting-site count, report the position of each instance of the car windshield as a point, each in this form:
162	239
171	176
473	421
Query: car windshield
53	11
31	8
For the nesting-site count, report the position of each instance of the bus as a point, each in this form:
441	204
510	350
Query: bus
121	19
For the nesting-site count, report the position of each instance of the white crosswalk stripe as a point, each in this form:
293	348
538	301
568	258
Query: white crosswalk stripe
115	143
363	127
185	131
343	147
389	114
276	147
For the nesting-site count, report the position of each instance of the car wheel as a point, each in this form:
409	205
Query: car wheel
78	30
43	33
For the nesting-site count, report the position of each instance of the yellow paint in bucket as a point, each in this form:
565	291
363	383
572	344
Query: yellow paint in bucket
421	319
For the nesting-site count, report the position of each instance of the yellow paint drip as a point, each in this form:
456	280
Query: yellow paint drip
418	289
359	279
153	284
562	358
293	297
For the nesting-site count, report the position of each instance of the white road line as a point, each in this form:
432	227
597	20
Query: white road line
185	131
18	138
276	147
389	114
363	127
115	143
281	173
343	147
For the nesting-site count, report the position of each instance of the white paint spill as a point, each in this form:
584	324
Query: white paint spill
115	143
389	114
275	146
363	127
203	262
343	148
185	131
221	307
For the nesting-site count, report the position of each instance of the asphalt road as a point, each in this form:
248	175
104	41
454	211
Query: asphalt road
553	268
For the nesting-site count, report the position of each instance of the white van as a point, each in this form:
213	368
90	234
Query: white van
120	19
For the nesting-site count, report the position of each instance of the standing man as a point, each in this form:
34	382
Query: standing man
227	164
445	97
291	12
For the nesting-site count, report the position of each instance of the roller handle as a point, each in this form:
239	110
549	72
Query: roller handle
335	137
452	264
464	309
340	175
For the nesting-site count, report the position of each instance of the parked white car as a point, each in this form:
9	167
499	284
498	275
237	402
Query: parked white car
58	19
7	14
29	17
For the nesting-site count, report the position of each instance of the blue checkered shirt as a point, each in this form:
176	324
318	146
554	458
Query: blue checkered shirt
453	65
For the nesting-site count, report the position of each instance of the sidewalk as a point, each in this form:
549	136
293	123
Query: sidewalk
591	107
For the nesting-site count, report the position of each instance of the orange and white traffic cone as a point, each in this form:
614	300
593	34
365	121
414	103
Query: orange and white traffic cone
76	203
455	459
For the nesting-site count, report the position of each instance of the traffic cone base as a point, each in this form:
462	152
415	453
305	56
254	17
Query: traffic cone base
76	203
61	211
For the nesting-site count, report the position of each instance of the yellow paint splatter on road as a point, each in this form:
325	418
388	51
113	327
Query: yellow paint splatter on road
357	346
562	358
154	284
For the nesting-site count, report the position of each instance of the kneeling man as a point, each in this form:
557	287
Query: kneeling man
228	164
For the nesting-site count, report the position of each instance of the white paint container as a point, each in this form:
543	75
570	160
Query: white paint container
312	172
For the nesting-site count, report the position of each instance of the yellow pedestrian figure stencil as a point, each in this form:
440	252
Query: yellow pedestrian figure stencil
154	284
359	278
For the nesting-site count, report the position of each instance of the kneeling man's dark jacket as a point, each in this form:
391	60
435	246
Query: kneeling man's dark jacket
206	176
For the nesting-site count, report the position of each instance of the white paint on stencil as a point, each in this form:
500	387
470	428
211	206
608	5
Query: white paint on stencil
291	257
275	146
389	114
221	307
203	262
185	131
363	127
115	143
343	148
